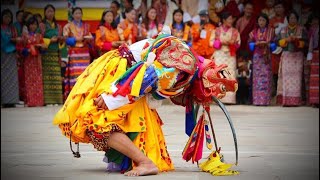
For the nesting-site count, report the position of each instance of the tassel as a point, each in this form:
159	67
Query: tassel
208	138
216	167
190	118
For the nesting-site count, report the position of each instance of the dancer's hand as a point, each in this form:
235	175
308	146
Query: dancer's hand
99	102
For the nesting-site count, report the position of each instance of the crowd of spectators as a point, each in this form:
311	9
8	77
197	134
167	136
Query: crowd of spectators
271	47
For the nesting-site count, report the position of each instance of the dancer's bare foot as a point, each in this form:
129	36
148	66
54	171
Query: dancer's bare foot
143	169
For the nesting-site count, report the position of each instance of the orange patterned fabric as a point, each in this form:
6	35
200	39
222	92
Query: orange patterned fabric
199	44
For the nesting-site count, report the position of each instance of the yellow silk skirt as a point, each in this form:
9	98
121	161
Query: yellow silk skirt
79	114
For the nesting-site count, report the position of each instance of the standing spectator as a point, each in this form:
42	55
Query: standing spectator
115	8
39	19
165	10
150	26
292	40
18	26
226	41
269	9
261	37
232	6
9	71
33	42
278	22
243	77
78	36
313	56
245	25
107	37
179	28
26	15
19	23
128	28
51	63
201	33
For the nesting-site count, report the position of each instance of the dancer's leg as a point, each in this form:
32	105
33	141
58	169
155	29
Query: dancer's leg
123	144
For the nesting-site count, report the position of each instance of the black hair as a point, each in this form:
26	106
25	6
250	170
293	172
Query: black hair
32	20
76	8
19	11
102	21
313	15
44	12
25	15
265	16
278	2
179	10
294	13
146	21
116	3
38	15
5	12
127	10
224	15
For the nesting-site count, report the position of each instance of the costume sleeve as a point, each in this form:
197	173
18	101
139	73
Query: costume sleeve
98	39
251	37
66	30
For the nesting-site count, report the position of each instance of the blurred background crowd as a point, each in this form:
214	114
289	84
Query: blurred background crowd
270	46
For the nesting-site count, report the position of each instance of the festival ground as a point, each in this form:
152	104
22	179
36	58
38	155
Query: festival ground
275	143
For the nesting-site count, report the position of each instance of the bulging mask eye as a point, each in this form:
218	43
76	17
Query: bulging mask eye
223	88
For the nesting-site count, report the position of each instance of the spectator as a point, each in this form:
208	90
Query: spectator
179	28
245	25
115	8
278	22
292	40
39	19
313	56
165	10
150	26
127	4
107	37
128	28
243	77
226	40
261	37
269	9
232	7
52	66
19	23
9	71
26	16
18	26
33	43
78	37
201	33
